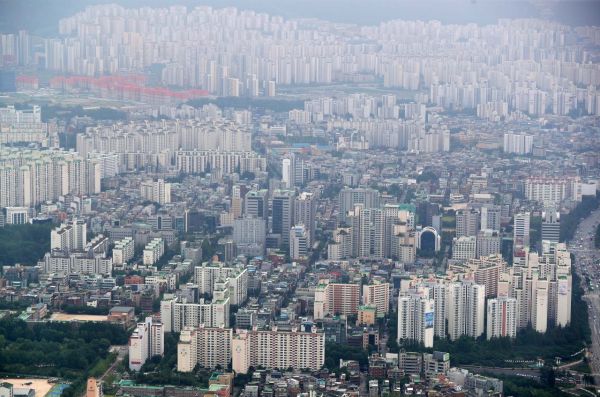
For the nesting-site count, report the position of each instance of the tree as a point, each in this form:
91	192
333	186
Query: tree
24	244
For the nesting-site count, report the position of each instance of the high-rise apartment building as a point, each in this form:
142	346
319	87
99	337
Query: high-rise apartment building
467	222
501	317
299	242
153	251
349	197
489	242
542	287
70	236
146	341
298	348
31	177
204	346
209	275
176	314
416	315
377	295
551	191
123	251
341	247
25	126
158	191
518	143
336	299
466	309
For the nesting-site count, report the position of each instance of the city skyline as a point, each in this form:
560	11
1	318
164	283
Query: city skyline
261	198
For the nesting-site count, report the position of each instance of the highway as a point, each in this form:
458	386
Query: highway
587	264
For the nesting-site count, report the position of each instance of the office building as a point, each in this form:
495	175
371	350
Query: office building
286	173
551	225
282	214
299	242
552	191
305	208
491	216
249	234
16	215
256	204
521	229
464	247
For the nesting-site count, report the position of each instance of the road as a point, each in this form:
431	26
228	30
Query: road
587	259
523	372
121	353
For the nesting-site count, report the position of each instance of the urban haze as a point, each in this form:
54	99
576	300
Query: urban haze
336	198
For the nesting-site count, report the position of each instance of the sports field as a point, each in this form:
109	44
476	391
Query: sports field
76	317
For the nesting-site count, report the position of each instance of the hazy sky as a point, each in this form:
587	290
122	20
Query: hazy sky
41	16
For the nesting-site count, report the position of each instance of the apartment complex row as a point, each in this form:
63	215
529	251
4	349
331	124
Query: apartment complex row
211	347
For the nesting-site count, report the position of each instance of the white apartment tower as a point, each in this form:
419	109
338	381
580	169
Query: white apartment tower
158	191
70	236
209	347
176	314
123	251
278	349
466	309
146	341
501	317
377	295
416	314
